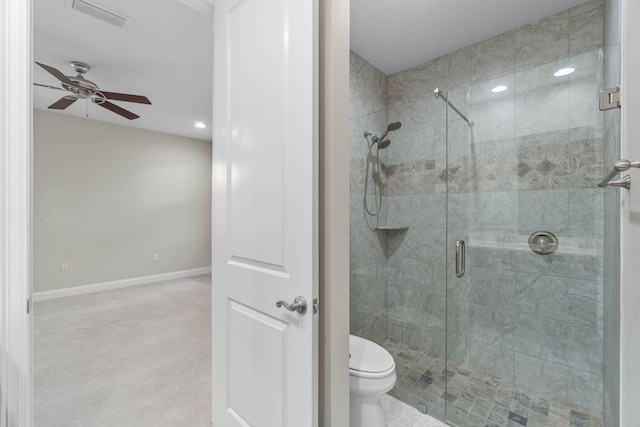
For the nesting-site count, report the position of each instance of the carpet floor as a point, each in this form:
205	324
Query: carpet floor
138	356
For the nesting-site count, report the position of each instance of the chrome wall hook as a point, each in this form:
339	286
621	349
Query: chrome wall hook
624	182
620	166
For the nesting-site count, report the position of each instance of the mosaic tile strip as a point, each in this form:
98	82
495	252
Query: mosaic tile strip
562	165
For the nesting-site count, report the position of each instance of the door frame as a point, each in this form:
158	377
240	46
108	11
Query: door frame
630	219
334	213
15	210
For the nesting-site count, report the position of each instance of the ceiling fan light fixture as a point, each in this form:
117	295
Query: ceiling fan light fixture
99	12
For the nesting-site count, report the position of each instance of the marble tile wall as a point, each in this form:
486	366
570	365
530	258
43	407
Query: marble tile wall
368	88
368	275
530	162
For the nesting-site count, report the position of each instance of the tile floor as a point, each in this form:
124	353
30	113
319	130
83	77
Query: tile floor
399	414
475	398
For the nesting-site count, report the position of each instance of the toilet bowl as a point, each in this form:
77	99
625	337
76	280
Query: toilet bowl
372	373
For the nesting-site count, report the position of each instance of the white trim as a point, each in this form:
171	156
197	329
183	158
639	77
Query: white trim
630	221
117	284
15	212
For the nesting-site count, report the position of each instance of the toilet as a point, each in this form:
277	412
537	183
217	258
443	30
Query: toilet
372	373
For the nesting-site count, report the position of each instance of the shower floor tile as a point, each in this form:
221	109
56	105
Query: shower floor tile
475	398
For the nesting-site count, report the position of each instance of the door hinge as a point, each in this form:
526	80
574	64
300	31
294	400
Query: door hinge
316	306
28	305
610	98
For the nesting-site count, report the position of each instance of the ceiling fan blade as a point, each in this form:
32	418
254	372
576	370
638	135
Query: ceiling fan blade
62	103
50	87
57	74
118	110
126	97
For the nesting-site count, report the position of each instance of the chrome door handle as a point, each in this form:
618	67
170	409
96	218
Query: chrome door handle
459	258
299	305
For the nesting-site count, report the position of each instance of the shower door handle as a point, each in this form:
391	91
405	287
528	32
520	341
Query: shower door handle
459	258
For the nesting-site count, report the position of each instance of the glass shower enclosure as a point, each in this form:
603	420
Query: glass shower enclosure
484	273
524	330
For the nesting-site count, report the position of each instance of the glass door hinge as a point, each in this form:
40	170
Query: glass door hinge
610	98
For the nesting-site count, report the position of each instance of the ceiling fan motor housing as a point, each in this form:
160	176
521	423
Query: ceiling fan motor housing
81	87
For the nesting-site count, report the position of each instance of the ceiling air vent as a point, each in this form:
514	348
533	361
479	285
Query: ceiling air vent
99	12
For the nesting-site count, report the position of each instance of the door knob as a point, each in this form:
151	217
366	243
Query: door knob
299	305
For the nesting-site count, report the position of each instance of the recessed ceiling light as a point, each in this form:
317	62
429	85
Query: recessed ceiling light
499	89
564	71
200	125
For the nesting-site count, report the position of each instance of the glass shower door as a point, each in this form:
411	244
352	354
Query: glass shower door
525	235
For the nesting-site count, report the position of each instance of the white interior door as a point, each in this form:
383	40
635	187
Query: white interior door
265	213
630	221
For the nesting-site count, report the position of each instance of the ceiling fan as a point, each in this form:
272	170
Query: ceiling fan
81	88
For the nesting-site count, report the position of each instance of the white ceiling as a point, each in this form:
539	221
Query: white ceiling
394	35
165	53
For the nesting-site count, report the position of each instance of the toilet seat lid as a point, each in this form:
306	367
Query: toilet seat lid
367	357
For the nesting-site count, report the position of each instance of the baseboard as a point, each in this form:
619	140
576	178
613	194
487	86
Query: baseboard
117	284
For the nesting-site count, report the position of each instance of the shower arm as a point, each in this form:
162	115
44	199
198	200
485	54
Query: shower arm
439	94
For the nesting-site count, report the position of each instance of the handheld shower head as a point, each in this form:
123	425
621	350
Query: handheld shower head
380	144
384	144
392	126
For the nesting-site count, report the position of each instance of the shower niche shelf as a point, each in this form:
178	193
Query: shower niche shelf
392	228
390	238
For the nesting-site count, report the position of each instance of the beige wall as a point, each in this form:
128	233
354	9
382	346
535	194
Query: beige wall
334	213
107	197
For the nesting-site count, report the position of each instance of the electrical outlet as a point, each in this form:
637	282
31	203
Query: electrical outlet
64	267
156	257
